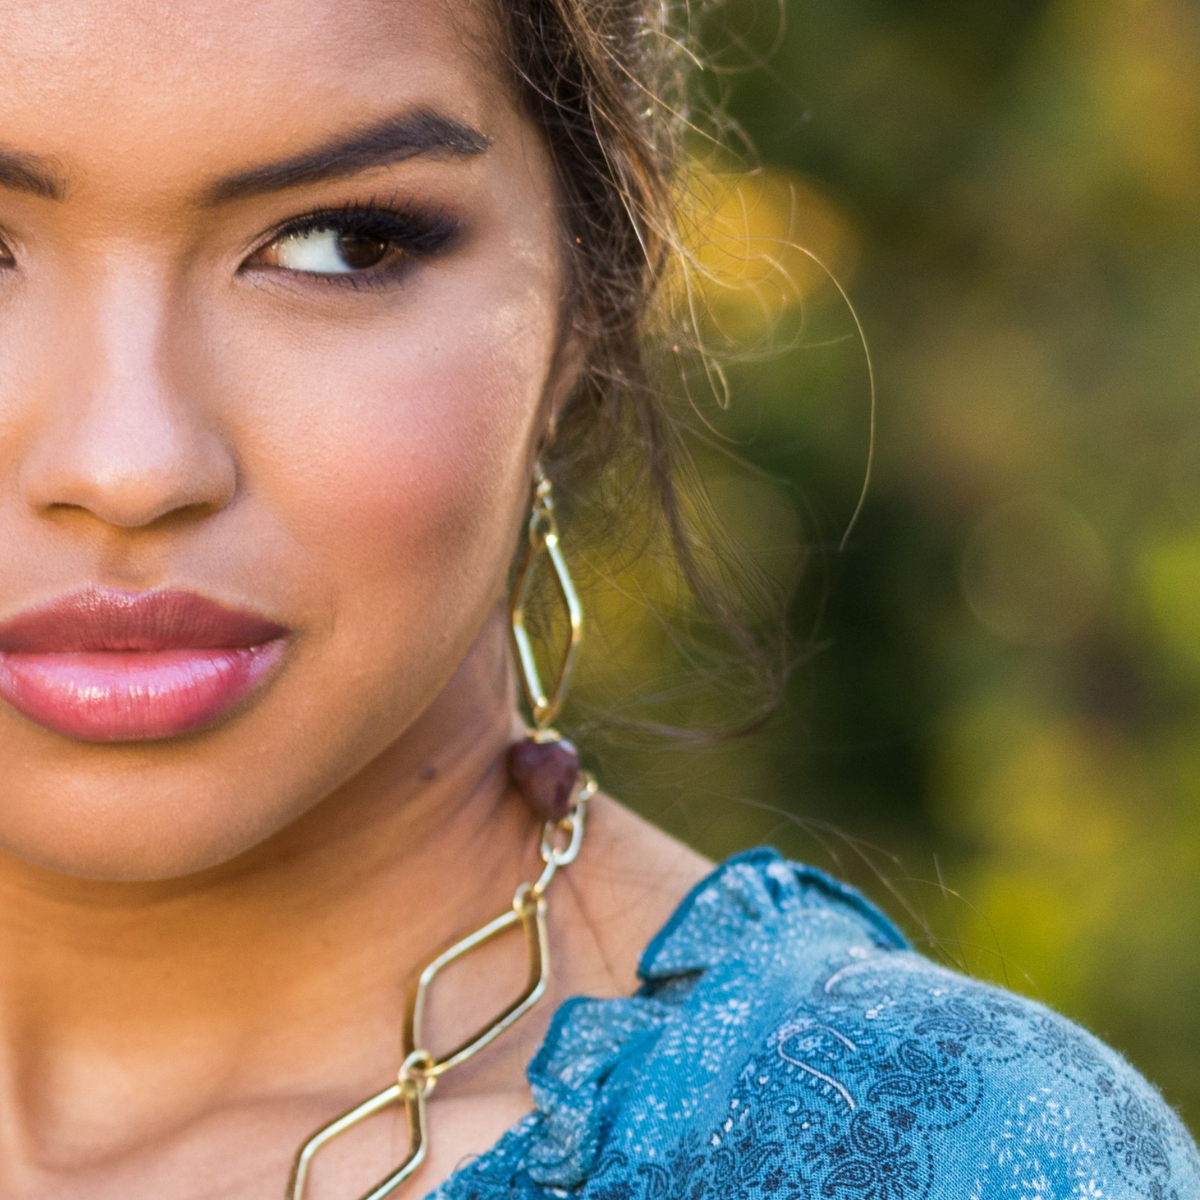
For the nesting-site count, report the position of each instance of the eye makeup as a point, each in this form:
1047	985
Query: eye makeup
357	244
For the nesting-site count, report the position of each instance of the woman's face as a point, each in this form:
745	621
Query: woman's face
322	424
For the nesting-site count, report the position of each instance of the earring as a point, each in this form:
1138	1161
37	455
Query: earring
544	766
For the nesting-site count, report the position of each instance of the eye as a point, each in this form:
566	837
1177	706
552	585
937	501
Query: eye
328	251
7	258
346	244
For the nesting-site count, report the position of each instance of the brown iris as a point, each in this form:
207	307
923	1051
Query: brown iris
360	251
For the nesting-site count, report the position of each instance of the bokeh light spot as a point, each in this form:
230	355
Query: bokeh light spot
1033	571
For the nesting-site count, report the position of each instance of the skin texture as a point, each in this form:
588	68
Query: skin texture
204	940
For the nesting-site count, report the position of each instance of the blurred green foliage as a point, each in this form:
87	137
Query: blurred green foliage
996	728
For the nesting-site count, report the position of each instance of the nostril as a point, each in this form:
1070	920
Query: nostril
136	515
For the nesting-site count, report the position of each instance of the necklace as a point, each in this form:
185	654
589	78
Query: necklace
421	1068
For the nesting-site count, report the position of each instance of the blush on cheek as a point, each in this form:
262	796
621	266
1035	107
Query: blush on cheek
434	460
462	403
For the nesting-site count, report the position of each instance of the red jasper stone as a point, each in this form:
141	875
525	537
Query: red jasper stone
545	774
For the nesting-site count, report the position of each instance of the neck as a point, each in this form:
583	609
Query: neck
131	1007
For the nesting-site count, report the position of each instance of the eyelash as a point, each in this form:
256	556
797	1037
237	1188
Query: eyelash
418	234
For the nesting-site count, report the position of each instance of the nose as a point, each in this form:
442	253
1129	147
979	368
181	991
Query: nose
118	436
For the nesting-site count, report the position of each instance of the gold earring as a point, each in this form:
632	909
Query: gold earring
542	538
544	766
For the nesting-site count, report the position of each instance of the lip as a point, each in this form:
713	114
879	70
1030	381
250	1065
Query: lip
102	665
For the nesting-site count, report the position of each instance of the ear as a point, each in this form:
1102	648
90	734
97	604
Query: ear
568	363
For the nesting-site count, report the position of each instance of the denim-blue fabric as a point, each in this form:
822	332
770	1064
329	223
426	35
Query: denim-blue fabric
788	1044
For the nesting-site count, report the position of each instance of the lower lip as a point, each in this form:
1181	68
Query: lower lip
133	695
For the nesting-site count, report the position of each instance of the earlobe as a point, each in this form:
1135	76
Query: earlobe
566	369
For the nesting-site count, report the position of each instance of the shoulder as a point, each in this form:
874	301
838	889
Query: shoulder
896	1069
873	1073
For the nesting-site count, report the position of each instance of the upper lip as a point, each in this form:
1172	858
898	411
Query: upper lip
96	618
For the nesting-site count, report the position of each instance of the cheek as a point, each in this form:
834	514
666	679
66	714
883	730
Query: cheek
397	458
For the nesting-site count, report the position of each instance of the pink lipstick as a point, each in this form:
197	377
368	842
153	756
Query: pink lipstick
108	666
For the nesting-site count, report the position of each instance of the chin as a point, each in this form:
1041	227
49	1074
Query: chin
132	835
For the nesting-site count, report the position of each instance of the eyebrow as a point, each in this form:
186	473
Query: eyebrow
31	173
393	139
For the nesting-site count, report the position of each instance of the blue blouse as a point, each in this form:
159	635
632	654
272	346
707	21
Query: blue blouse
788	1044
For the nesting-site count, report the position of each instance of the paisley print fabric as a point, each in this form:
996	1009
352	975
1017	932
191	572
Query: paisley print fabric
787	1044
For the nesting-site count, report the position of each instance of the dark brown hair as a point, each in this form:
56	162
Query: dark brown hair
607	81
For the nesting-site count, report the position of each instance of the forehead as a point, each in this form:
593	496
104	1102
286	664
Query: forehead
183	84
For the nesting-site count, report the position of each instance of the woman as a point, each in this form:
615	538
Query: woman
302	303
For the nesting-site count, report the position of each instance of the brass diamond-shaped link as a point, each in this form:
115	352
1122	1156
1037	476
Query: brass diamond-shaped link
409	1092
529	911
542	540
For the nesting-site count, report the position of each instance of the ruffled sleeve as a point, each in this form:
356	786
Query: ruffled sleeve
740	908
594	1055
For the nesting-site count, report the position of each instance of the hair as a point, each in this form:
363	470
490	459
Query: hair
608	83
